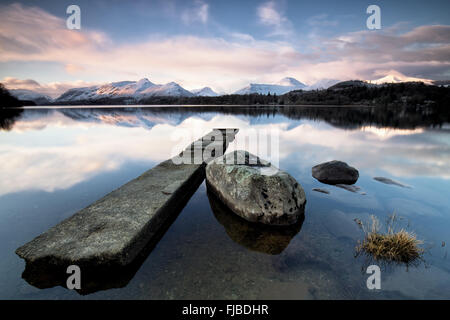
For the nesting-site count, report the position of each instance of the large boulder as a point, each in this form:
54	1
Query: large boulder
335	172
256	190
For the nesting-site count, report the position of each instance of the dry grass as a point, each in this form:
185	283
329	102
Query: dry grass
393	246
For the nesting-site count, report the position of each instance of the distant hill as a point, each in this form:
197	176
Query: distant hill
350	84
328	92
397	77
30	95
355	92
9	109
144	91
322	84
283	86
204	92
7	100
346	93
125	91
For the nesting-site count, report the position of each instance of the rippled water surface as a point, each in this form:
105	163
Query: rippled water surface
57	161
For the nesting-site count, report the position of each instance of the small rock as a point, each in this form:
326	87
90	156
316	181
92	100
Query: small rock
256	190
321	190
335	172
350	188
390	181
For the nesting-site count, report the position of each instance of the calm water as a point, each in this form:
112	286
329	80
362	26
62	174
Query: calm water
57	161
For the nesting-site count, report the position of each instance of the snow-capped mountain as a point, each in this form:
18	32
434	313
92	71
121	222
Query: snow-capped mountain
290	82
283	86
132	92
322	84
136	90
397	77
205	92
30	95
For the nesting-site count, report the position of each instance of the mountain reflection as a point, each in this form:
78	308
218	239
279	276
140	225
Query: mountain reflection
50	149
354	117
8	117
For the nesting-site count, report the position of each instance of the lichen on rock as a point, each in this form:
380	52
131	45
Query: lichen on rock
256	190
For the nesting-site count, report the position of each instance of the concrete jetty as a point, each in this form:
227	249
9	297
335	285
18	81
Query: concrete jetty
116	228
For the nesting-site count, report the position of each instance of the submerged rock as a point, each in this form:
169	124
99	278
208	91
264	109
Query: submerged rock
390	181
321	190
256	190
335	172
350	188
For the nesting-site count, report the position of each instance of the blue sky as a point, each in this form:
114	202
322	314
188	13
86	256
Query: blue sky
224	44
131	20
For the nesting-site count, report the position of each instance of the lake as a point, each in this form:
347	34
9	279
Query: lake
56	161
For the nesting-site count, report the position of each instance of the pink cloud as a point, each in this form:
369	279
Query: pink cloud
52	89
31	34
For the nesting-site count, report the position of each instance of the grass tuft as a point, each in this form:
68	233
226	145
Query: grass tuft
393	246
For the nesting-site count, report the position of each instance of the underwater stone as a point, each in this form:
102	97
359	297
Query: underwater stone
390	181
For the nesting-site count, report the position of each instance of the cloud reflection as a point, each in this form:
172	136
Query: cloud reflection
53	151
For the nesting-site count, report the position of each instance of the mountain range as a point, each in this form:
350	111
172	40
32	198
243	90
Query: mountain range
283	86
136	91
125	89
205	92
30	95
398	78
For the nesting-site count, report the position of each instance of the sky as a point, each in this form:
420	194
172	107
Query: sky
222	44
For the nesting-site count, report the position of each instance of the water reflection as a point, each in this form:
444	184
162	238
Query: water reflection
44	276
254	236
8	117
400	116
56	149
